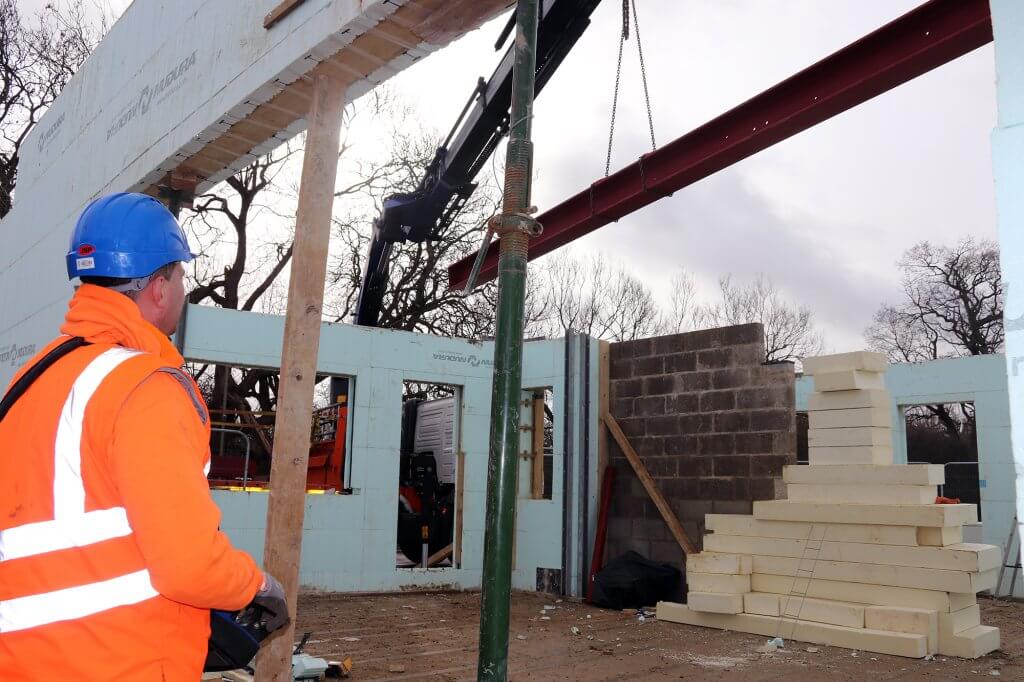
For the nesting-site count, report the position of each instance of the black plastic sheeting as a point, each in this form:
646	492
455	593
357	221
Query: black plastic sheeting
631	581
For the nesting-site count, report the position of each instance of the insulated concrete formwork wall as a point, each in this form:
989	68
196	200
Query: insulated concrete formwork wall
1008	169
349	540
981	380
168	79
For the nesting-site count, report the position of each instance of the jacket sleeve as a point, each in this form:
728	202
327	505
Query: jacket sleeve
157	453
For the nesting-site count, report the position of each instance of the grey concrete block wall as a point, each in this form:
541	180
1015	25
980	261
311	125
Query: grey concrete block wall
712	423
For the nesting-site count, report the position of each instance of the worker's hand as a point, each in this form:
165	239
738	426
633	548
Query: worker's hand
272	600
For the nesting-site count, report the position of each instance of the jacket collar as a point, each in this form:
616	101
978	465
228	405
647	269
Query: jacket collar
102	316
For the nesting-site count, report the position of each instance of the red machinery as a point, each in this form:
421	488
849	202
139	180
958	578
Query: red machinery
327	449
326	468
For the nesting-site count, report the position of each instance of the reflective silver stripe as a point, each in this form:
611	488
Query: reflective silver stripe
68	490
72	525
189	387
75	602
80	530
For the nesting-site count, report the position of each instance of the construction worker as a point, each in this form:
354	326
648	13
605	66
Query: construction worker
110	553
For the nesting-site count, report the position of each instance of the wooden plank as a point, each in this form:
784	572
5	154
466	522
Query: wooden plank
962	557
840	362
377	45
710	602
439	556
216	152
736	524
877	641
247	133
860	493
272	117
398	35
354	60
650	486
280	12
286	503
537	445
877	474
882	514
449	20
290	101
338	70
877	595
877	574
460	487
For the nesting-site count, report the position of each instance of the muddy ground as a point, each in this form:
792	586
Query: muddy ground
433	637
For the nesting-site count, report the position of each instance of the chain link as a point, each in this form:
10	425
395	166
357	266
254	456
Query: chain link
615	102
623	37
643	75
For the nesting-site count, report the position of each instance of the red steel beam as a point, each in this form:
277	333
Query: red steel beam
923	39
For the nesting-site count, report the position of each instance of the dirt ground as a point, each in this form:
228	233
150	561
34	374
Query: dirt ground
433	637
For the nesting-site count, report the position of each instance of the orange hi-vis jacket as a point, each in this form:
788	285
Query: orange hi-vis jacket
110	551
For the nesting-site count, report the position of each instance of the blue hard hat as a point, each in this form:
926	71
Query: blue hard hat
125	235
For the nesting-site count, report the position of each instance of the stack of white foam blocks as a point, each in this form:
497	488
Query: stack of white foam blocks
859	555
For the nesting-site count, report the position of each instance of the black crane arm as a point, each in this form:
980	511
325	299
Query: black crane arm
447	183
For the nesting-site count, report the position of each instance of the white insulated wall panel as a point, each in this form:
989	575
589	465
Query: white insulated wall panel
163	77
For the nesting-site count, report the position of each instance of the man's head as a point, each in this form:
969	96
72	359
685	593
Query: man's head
132	244
160	296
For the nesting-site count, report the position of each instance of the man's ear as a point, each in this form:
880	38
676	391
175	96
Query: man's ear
155	293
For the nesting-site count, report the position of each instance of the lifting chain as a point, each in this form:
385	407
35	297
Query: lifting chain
624	36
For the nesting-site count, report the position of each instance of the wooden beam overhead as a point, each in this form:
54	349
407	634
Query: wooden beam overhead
414	23
280	12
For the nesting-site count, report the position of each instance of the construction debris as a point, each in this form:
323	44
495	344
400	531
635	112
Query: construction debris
859	555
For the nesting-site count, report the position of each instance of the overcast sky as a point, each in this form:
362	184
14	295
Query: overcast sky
825	214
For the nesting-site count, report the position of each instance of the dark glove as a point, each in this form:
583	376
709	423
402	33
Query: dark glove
272	601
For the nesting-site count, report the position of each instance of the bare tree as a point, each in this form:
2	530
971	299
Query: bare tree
224	223
37	59
244	228
683	312
952	307
594	297
418	297
789	331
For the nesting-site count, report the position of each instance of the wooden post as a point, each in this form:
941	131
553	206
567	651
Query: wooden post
286	504
649	485
460	486
439	556
537	461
